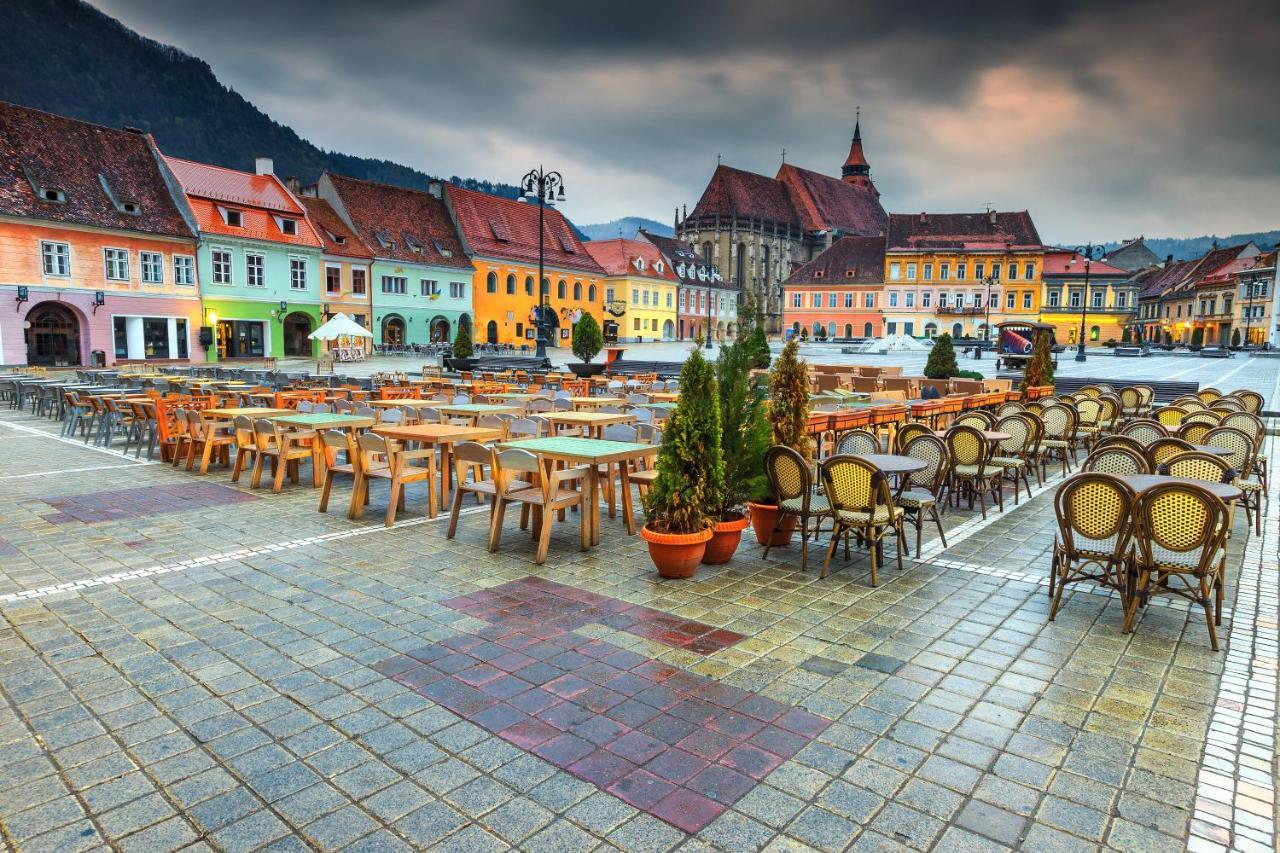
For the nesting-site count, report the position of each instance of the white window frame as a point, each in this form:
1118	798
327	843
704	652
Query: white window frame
895	271
926	298
911	299
1026	300
108	262
249	257
1098	298
428	286
1055	298
157	261
230	279
64	256
797	300
848	299
399	284
457	290
893	299
328	267
187	264
298	273
869	299
831	299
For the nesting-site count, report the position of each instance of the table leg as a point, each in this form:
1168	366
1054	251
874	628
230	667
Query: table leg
593	503
317	460
446	474
628	512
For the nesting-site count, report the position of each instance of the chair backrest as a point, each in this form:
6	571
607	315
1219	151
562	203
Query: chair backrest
608	410
1180	519
1170	416
853	484
244	432
1194	432
648	433
341	441
460	399
966	446
1226	405
392	416
492	422
620	432
1130	399
1160	450
443	397
1238	444
1125	441
1020	433
1203	416
428	416
305	407
929	449
1208	395
366	411
1247	423
1059	421
1145	431
1196	465
643	416
1116	459
480	398
1089	391
978	420
858	442
409	414
788	473
1094	508
342	405
1090	411
637	399
559	404
1189	402
512	461
523	428
1012	407
1251	400
906	432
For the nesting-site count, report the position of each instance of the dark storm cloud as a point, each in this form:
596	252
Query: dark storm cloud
1103	118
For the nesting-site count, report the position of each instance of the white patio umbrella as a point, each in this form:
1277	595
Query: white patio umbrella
340	326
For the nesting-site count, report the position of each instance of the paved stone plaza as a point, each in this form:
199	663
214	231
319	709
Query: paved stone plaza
186	662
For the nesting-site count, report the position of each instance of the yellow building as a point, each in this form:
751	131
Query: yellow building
639	290
1109	307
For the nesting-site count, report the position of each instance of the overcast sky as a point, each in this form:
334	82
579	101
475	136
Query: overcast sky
1104	119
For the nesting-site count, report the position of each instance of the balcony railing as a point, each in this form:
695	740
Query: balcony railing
964	309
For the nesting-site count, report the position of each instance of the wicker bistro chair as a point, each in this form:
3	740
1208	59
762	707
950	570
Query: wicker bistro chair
1109	420
924	487
1089	421
544	492
1251	400
857	442
1240	458
861	501
977	420
791	481
1013	407
1094	511
970	472
1160	450
1013	454
1226	405
1208	395
1170	416
1181	538
1251	425
1197	465
1125	442
1089	391
1203	416
1116	459
1059	427
1193	432
906	432
1130	402
1145	431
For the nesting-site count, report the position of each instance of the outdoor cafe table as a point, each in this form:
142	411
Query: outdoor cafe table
662	396
251	412
443	435
517	396
320	422
592	452
593	402
1141	482
474	411
594	422
407	402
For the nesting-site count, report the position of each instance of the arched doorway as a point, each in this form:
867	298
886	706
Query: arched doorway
848	330
668	330
957	330
393	330
53	335
296	328
491	332
553	328
868	331
930	330
439	330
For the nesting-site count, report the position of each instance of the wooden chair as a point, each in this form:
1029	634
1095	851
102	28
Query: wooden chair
285	448
246	444
923	488
791	482
546	495
1181	537
340	441
860	502
1095	512
378	460
207	436
470	459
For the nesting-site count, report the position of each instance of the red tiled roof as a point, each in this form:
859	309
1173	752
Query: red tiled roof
1157	281
234	187
1224	273
681	256
734	192
76	158
506	229
850	260
337	238
1070	263
974	231
400	224
826	203
618	257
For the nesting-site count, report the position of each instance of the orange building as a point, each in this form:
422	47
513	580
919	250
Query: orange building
501	238
97	246
837	294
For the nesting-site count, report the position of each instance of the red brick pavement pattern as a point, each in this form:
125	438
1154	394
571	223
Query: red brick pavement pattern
94	507
673	744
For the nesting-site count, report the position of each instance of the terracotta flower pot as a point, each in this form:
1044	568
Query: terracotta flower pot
725	538
763	517
676	555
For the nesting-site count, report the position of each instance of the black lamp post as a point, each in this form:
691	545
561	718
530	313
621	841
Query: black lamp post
542	188
1088	252
711	295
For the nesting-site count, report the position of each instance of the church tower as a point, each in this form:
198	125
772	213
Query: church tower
856	172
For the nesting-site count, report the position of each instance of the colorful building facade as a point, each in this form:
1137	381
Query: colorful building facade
344	264
836	296
259	261
501	238
1257	316
640	290
421	279
1106	310
97	250
704	300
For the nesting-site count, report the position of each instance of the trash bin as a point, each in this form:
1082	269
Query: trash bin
99	358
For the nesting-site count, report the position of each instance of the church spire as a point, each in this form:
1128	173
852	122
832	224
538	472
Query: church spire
856	171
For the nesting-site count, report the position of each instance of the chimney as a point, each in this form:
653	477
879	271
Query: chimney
263	166
992	215
923	217
435	188
1168	260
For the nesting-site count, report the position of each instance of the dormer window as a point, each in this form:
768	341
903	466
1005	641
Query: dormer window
53	195
639	264
413	244
337	238
289	227
567	245
383	238
659	266
850	273
440	247
233	218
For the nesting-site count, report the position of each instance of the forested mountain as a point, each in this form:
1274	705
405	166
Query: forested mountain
625	227
1184	248
67	57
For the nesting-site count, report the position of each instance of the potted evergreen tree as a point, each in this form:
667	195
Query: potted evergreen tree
681	505
744	440
587	343
1039	369
789	425
463	350
759	342
942	359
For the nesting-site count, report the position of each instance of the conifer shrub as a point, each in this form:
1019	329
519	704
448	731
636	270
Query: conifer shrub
689	489
942	359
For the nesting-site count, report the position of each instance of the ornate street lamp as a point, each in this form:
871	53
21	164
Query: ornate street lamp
1090	253
542	188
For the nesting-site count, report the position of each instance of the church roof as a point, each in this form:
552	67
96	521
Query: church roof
849	260
736	192
856	157
971	231
829	204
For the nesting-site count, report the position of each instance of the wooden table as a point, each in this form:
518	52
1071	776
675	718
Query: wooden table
444	436
522	397
407	402
593	453
662	396
474	411
251	411
320	422
594	402
594	422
